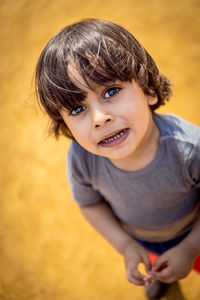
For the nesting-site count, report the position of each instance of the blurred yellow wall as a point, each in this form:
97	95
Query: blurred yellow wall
47	250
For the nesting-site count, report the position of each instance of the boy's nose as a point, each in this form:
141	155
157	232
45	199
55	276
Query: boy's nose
101	118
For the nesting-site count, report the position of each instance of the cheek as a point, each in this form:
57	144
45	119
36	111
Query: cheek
139	116
80	132
76	131
135	110
73	127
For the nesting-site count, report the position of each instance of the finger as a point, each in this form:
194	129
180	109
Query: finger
147	263
136	275
164	275
160	264
170	279
138	280
149	280
135	281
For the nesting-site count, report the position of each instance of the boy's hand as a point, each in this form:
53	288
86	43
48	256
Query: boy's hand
173	265
133	255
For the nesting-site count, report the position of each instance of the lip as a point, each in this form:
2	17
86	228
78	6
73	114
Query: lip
115	141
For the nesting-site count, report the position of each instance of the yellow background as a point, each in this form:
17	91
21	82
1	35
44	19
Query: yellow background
47	250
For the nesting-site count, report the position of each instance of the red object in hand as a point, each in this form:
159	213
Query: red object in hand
162	267
154	256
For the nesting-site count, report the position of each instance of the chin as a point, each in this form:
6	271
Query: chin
121	156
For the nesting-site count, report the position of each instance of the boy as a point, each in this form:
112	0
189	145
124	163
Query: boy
134	173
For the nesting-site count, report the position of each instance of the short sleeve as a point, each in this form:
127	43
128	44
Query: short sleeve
78	166
193	167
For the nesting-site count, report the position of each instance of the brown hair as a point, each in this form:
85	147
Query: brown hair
102	52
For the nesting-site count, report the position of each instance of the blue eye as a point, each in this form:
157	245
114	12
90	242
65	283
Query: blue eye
111	92
77	110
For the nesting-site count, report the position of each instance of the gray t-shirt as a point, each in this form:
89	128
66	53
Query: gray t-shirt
156	203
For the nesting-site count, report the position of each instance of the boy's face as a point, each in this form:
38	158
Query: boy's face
113	121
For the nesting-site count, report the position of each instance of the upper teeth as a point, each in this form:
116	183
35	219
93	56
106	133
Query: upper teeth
118	135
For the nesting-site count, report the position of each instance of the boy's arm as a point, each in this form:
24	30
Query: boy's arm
100	216
180	259
103	220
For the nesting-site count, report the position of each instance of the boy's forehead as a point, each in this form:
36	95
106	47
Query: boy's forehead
79	81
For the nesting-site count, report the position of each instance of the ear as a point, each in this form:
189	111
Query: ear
152	100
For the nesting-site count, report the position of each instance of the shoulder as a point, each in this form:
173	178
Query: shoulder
182	141
79	175
81	162
76	150
77	157
175	127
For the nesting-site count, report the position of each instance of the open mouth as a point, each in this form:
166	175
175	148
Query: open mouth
115	139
